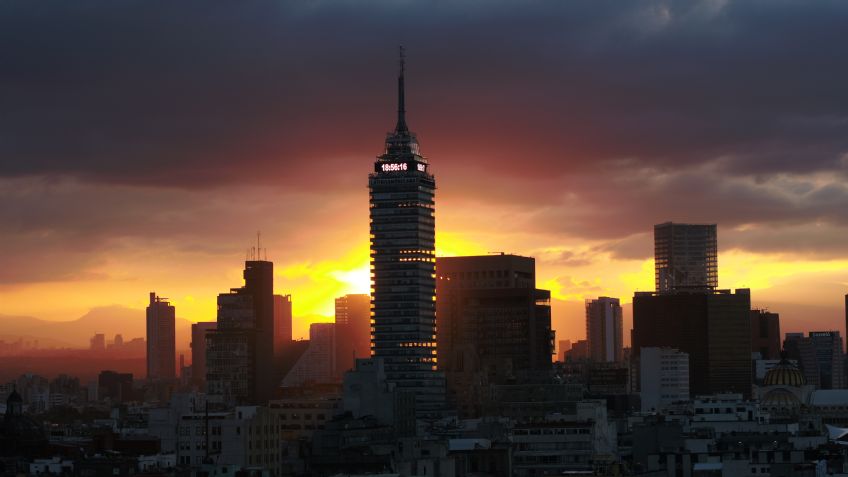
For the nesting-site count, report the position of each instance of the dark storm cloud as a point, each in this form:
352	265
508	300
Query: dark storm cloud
197	93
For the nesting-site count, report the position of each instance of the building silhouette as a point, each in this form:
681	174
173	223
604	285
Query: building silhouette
282	322
685	257
353	330
765	334
604	329
489	306
198	351
403	263
713	328
161	339
240	351
494	325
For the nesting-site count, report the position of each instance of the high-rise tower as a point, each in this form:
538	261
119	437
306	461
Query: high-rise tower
161	347
403	261
685	257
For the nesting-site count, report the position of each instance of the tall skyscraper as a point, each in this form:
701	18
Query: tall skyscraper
765	334
493	324
240	352
604	329
713	328
282	322
800	348
198	351
353	330
403	261
161	339
685	257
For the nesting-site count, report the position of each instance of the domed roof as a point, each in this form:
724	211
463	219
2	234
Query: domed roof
780	399
784	374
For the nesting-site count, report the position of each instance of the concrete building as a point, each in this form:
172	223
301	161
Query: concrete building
161	339
765	334
713	328
198	351
247	437
604	329
403	259
317	363
685	257
367	392
584	441
664	378
353	330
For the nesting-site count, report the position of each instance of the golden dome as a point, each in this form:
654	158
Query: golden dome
784	374
780	399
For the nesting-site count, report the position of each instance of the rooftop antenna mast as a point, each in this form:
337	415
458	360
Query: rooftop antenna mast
401	123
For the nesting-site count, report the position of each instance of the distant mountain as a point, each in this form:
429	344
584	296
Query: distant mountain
109	320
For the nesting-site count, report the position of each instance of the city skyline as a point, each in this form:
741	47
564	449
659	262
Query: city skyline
91	231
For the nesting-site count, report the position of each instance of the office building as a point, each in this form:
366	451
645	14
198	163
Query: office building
664	378
198	351
604	329
829	358
765	334
240	351
231	352
685	257
353	330
489	306
161	339
713	328
493	324
282	322
403	261
317	364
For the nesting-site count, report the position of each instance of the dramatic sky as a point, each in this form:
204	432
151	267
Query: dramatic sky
143	144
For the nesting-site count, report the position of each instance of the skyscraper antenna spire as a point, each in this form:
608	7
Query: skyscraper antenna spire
401	122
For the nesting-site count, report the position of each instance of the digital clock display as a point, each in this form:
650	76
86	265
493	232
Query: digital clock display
394	166
400	167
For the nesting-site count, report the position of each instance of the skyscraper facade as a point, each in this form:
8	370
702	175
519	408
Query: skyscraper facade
161	339
240	351
604	329
353	330
403	261
685	257
712	328
494	325
829	357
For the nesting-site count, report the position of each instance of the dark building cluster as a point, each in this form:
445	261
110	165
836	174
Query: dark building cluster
448	368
